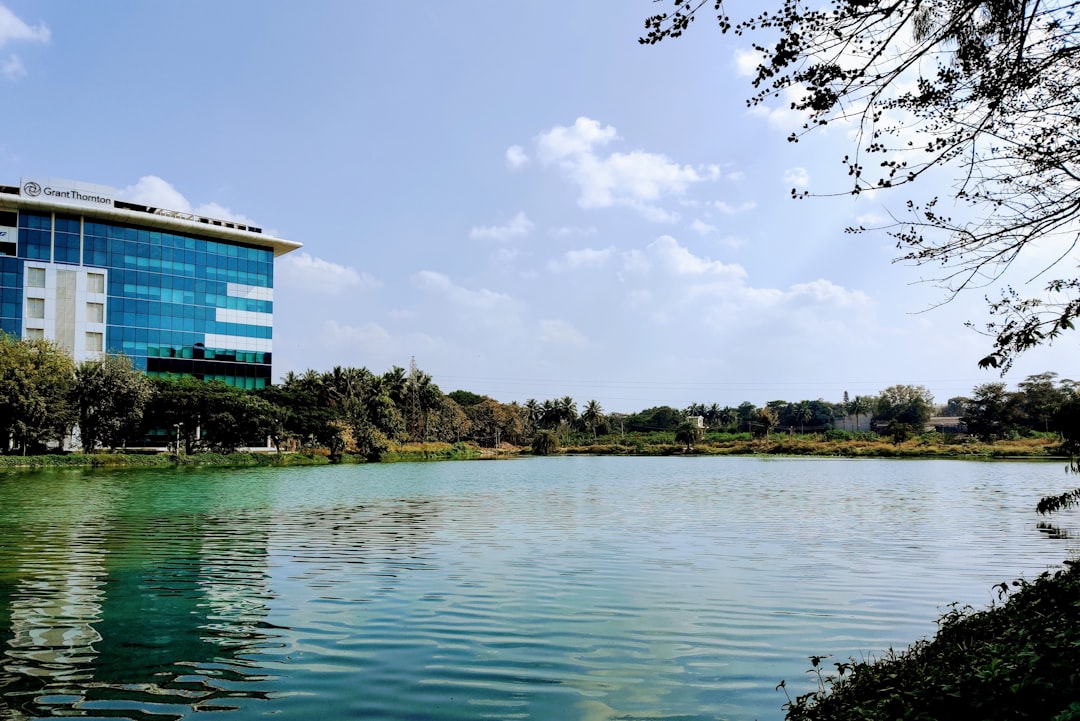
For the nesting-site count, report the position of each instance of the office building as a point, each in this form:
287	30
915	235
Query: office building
179	293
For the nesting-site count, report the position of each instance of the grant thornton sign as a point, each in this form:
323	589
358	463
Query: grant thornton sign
68	192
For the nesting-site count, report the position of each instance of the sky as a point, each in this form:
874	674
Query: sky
519	196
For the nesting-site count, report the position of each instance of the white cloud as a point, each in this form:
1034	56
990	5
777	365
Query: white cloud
797	177
665	252
783	116
728	209
310	273
12	28
220	212
746	62
13	68
517	226
584	258
825	292
701	227
441	284
636	180
872	220
635	261
561	142
516	157
154	192
567	231
371	342
560	332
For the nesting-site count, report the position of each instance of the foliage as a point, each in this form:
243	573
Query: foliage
659	418
990	412
544	443
907	404
688	434
208	415
36	379
984	91
110	396
1016	660
765	420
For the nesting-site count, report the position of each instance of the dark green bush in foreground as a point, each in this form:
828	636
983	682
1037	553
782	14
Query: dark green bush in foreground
1017	660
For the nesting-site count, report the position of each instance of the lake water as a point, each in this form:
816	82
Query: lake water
555	589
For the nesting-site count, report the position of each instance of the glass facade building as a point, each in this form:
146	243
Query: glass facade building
181	295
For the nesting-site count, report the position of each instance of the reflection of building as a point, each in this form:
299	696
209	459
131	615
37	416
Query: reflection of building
110	600
179	293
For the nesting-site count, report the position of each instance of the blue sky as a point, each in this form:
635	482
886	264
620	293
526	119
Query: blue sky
518	195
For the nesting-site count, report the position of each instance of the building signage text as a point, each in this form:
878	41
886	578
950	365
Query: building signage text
68	191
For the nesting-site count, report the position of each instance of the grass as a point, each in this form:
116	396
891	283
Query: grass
930	445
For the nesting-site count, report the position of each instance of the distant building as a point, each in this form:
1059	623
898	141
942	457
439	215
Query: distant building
180	294
851	423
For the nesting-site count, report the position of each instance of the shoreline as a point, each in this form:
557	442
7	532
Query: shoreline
1025	449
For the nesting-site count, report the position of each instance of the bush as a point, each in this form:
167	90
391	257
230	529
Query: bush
1012	661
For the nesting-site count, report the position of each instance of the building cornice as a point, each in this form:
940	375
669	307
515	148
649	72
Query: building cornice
148	217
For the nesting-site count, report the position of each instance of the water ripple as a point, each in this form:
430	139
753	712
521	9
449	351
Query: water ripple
568	588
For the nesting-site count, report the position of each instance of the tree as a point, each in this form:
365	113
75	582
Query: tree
991	411
805	414
986	91
210	414
36	378
659	418
1040	399
449	423
592	416
955	406
687	433
727	417
110	396
859	406
765	420
912	405
545	443
745	414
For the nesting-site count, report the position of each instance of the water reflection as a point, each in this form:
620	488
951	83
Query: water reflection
108	608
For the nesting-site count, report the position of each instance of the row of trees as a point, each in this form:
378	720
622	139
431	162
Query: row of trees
1041	403
44	396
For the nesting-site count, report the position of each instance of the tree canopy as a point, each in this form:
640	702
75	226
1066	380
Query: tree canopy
987	91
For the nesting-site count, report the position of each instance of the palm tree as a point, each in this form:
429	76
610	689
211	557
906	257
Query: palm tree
859	406
395	382
727	417
545	443
712	415
532	414
592	416
550	414
567	413
805	414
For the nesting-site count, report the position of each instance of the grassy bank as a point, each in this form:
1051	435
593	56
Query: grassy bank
160	460
1016	660
651	444
931	445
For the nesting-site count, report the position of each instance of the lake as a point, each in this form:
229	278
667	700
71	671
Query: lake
592	589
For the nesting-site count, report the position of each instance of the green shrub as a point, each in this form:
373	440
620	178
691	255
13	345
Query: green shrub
1016	660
